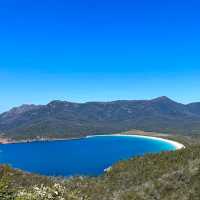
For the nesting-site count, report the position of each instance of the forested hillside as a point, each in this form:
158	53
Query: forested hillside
67	119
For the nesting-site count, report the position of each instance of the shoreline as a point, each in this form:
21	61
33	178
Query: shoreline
176	144
11	141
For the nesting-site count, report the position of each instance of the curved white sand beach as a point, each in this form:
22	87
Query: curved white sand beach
177	145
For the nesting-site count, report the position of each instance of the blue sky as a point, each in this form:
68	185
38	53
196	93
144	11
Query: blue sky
98	50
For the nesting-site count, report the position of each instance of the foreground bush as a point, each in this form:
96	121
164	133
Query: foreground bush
164	176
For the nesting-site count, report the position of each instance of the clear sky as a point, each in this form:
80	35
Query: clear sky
98	50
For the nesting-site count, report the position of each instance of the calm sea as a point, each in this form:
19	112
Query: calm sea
87	156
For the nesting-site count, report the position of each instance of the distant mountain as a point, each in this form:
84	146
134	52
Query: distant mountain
67	119
194	108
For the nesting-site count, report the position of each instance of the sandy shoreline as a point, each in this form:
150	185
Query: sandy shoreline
177	145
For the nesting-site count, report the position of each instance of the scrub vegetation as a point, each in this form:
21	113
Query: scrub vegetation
62	119
166	176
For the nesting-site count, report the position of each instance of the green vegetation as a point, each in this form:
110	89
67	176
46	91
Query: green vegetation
166	176
61	119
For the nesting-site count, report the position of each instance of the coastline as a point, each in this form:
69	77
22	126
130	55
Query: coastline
11	141
176	144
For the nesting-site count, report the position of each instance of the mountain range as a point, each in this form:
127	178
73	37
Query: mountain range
66	119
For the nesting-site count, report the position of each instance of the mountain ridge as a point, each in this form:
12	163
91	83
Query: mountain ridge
69	119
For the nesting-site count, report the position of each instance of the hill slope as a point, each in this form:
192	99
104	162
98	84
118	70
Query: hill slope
166	176
67	119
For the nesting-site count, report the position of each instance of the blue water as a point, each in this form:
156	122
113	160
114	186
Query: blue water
87	156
